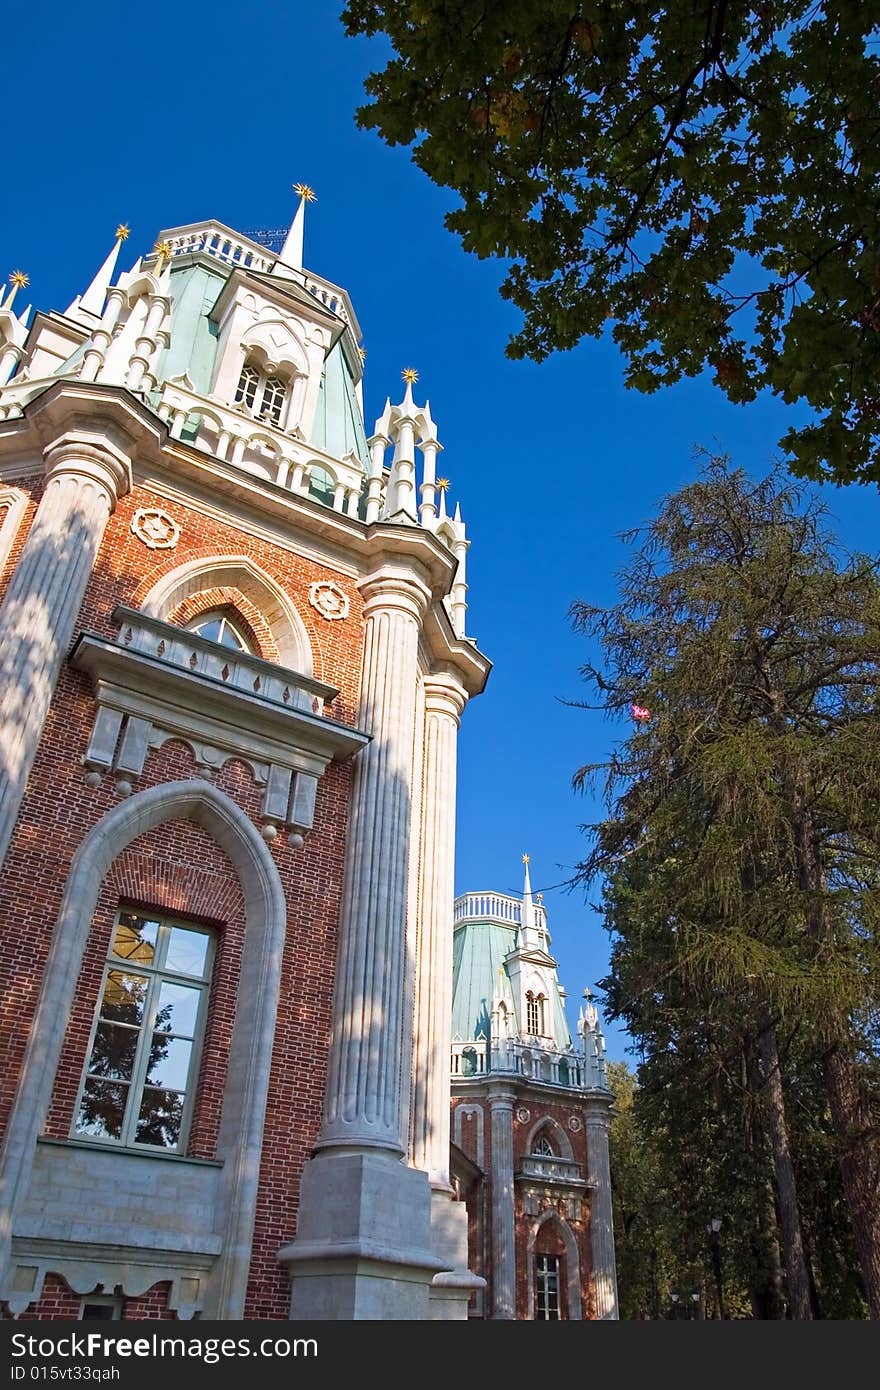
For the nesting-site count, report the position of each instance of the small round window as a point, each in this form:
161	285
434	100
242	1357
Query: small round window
217	626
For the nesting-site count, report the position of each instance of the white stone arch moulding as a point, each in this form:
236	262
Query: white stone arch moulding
239	1144
558	1133
572	1265
273	345
239	572
13	505
466	1112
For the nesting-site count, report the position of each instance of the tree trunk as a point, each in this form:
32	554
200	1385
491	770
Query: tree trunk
858	1141
859	1162
797	1276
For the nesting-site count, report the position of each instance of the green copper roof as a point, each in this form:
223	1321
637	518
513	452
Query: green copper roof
193	336
339	427
478	951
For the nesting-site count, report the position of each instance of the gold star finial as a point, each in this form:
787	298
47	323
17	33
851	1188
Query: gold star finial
123	232
540	898
363	354
526	859
307	194
163	250
442	485
19	279
410	375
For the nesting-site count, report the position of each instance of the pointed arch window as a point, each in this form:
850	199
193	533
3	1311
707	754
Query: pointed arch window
143	1060
547	1278
542	1147
261	394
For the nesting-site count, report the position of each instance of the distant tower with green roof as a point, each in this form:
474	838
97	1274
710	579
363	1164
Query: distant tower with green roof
530	1114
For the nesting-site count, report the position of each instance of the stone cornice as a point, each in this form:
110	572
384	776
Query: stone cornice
93	412
525	1088
279	292
99	410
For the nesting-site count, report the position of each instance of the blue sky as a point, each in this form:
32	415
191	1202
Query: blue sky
173	115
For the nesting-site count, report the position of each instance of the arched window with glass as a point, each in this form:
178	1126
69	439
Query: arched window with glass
261	394
221	625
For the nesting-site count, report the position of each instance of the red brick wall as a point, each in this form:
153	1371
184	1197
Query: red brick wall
178	867
58	1301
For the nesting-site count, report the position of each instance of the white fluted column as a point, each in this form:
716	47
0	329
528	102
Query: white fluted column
503	1249
363	1081
44	598
444	700
597	1120
363	1240
432	1032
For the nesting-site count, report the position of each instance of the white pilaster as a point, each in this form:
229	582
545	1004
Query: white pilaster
503	1250
432	1032
360	1207
43	599
597	1120
363	1082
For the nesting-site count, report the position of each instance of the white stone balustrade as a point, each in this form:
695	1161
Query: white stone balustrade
538	1059
495	907
544	1169
233	436
213	239
237	670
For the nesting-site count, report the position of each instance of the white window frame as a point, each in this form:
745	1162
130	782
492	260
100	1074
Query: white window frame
270	392
157	974
221	615
548	1285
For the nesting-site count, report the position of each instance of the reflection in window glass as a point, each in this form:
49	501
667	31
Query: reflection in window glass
219	627
137	1088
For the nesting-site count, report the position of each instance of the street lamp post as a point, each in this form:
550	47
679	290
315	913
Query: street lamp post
714	1232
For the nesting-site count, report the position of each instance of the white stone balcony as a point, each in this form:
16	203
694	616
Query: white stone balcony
158	682
544	1168
537	1060
233	436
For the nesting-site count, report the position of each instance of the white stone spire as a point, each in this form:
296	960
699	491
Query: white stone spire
529	939
292	250
13	331
400	497
92	302
18	280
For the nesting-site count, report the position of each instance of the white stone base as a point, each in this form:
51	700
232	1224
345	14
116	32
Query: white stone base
363	1242
451	1290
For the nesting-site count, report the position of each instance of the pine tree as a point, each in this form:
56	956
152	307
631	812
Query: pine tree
743	829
